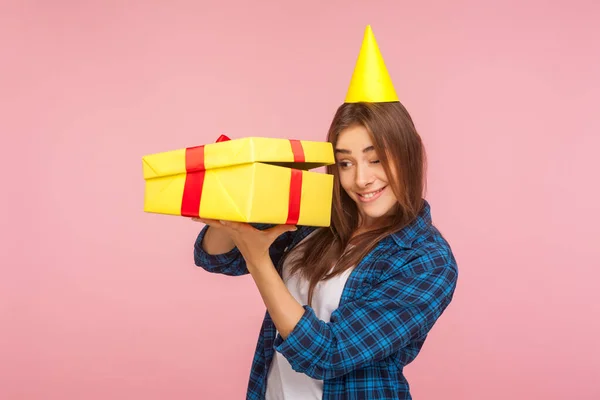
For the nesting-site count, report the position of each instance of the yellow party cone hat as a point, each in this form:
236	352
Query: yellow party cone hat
371	81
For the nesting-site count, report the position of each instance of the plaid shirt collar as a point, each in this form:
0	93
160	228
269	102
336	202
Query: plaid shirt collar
406	236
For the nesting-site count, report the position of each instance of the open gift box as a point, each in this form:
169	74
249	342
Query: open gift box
252	179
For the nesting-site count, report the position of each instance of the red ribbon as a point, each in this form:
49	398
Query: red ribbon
295	185
194	181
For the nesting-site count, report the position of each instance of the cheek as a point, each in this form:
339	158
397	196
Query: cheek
381	175
345	181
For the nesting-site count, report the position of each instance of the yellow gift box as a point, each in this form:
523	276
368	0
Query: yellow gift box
252	179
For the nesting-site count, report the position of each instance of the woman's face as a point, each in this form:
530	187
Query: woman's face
361	174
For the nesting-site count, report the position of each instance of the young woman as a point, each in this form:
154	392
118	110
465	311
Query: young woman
348	306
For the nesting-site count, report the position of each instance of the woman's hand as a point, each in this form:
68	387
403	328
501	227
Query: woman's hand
252	243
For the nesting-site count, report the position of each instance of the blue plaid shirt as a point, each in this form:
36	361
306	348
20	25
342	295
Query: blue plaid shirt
390	302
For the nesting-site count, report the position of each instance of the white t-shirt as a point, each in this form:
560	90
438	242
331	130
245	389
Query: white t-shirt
283	383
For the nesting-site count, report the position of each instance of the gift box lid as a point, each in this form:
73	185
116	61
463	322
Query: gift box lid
290	153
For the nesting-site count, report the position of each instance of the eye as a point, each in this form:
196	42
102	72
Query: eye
344	164
375	162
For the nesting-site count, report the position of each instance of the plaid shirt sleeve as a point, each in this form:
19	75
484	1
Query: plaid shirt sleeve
232	263
395	311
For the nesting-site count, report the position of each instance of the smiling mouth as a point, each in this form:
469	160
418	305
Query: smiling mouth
368	196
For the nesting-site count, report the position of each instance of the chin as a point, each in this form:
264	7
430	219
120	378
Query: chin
375	215
377	212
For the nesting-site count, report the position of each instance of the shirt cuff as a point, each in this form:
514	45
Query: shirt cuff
305	344
216	260
203	258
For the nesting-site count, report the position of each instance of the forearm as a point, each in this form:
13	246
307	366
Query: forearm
282	306
220	260
217	242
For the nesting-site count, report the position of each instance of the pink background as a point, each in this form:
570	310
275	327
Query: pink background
99	300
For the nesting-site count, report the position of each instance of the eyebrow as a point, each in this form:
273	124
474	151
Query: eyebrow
344	151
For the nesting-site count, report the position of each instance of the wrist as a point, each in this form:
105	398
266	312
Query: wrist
262	263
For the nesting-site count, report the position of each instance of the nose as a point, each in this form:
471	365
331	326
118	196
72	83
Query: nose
364	176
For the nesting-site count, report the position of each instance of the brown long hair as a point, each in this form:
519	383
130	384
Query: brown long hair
401	153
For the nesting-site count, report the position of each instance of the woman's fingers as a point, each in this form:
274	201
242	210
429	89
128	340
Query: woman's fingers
206	221
235	226
230	226
279	230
